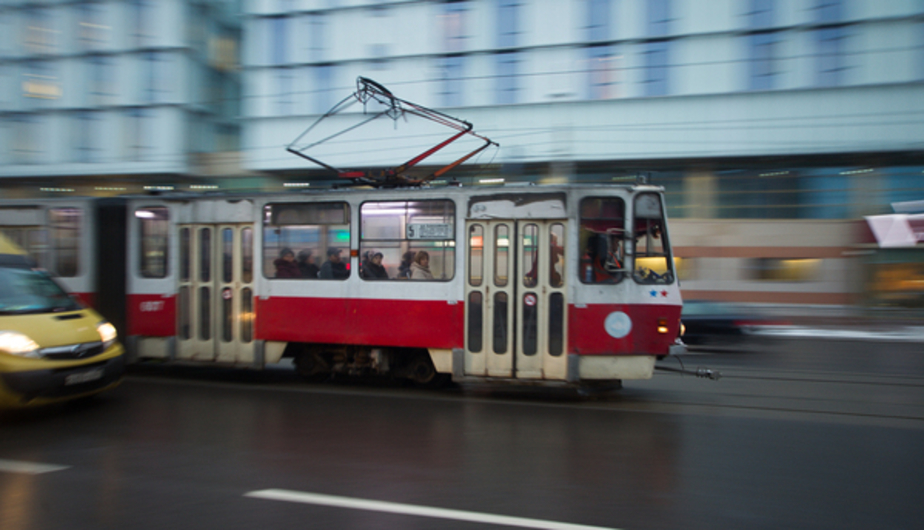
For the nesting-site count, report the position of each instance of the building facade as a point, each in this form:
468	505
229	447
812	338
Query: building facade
114	94
775	125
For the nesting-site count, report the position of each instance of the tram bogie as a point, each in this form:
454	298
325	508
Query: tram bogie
570	284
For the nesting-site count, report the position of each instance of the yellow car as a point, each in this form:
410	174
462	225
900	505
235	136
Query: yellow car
51	347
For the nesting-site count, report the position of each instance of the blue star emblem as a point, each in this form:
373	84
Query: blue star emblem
653	293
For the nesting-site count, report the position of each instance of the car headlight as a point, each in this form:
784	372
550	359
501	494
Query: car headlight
107	333
16	343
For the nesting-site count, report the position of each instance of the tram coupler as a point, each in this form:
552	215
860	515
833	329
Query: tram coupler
706	373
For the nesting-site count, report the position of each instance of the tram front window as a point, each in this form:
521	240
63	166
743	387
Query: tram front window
602	232
652	257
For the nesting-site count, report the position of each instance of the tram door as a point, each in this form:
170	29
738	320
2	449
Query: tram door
541	340
515	299
216	302
488	294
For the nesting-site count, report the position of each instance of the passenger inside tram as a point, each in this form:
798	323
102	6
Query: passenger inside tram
306	265
420	269
372	268
334	268
285	264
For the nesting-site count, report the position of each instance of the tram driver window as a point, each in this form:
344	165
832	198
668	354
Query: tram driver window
602	240
306	241
407	240
653	264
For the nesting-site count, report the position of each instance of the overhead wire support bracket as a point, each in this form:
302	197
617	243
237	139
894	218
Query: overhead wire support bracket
368	90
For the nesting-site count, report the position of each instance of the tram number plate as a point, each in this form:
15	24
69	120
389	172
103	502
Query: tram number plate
429	231
84	377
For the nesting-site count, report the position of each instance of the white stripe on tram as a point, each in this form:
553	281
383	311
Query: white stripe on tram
411	509
30	468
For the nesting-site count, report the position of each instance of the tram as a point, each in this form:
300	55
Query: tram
569	284
565	284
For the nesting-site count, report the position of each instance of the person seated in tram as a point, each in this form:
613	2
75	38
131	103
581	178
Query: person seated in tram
372	268
306	265
333	268
420	269
285	264
404	270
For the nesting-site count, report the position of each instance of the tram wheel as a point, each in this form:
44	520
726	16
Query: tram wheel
421	370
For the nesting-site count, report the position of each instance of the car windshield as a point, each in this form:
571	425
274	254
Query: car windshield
25	290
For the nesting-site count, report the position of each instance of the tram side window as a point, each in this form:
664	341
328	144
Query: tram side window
154	223
306	241
602	240
408	240
65	240
653	264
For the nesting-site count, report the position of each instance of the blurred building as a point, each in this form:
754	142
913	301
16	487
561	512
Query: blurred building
106	96
775	125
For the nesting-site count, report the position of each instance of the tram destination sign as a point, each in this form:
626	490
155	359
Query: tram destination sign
429	231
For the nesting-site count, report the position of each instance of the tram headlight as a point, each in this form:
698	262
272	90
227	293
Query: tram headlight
107	333
683	329
16	343
662	326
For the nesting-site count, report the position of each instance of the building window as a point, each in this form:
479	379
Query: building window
508	82
306	241
154	223
658	17
155	69
39	35
452	70
785	270
86	137
656	56
415	240
142	13
762	68
278	41
93	32
454	19
317	37
137	134
602	71
508	23
40	83
26	139
762	45
102	79
324	90
284	78
830	36
830	56
598	20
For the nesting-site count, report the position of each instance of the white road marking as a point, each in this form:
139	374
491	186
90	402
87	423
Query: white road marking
411	509
31	468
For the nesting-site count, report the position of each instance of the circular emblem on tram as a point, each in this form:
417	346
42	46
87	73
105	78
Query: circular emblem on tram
529	299
617	324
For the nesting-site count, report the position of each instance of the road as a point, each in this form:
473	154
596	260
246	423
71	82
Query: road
796	434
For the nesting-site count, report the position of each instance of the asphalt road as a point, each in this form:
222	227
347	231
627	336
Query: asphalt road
796	434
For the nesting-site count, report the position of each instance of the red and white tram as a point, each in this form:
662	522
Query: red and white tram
566	284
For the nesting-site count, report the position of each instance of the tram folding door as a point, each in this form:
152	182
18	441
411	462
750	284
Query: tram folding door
515	299
216	306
